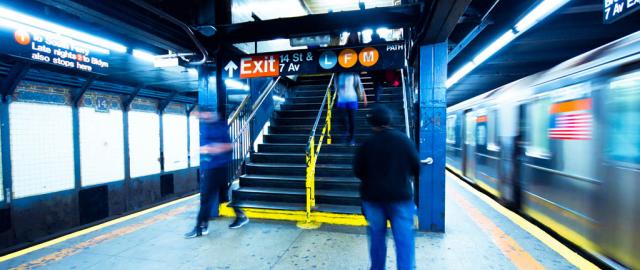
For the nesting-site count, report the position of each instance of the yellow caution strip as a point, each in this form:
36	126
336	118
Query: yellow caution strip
90	229
509	247
570	255
298	216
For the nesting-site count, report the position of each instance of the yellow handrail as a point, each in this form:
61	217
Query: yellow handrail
314	150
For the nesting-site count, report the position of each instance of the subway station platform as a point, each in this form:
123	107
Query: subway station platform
480	234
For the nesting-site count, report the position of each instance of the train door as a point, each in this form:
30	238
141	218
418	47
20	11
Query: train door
469	145
621	168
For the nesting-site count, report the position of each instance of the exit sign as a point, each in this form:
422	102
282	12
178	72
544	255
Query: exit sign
616	9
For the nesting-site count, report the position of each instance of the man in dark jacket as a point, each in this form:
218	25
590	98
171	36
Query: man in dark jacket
216	152
386	163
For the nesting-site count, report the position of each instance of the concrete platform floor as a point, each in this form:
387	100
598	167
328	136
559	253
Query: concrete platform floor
477	237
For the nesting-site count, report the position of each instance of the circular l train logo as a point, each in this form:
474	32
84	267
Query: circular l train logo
328	60
22	37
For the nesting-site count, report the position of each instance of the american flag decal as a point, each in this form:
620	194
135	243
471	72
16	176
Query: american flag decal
571	120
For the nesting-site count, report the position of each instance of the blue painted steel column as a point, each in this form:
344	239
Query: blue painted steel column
208	97
433	108
75	116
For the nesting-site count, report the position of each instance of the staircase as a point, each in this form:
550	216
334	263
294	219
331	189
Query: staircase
275	175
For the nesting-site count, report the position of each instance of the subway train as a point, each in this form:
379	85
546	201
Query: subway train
563	147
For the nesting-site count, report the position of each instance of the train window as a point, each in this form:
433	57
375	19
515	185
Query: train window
469	129
537	131
451	129
481	130
623	112
492	131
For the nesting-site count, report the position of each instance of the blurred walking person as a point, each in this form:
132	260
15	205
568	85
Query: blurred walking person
385	163
216	152
349	88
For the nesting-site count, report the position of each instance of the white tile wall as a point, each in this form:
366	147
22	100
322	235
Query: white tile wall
144	143
194	126
41	148
101	146
174	127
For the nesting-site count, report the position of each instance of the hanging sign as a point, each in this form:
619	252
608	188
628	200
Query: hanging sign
313	61
616	9
50	48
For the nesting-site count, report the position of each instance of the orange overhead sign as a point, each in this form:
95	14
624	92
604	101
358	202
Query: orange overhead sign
260	66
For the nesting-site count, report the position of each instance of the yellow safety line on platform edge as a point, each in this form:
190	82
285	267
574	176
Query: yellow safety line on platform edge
293	215
90	229
520	258
570	255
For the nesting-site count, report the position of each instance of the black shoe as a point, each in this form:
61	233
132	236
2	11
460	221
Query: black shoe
239	222
196	232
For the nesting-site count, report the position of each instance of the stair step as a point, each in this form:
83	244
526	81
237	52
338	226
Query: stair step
289	169
360	120
303	138
328	208
300	158
301	148
392	105
298	195
335	129
283	181
370	97
305	92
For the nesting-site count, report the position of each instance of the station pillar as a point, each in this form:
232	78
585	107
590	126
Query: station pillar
212	95
432	145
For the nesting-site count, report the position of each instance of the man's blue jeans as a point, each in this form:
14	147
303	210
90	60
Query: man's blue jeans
400	214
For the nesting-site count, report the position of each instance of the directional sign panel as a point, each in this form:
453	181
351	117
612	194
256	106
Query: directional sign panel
50	48
616	9
321	60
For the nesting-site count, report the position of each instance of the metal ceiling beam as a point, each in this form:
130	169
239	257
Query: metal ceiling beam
390	17
165	102
441	20
437	22
191	108
467	39
15	75
108	21
77	94
583	9
127	102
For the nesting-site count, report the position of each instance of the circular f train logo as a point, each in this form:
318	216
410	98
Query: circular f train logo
22	37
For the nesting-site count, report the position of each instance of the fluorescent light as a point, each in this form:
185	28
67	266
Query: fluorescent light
460	73
58	29
278	99
536	15
383	31
144	55
539	13
494	47
233	84
193	71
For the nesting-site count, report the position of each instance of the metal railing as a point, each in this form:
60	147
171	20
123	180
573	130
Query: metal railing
239	129
313	149
404	100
